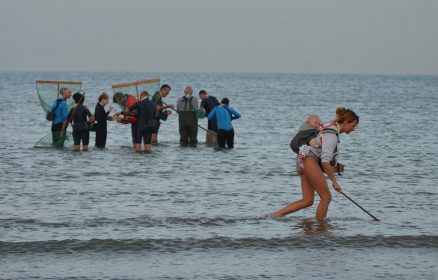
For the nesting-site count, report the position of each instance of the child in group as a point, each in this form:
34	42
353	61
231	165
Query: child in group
102	117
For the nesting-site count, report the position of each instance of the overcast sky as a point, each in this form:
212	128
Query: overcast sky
325	36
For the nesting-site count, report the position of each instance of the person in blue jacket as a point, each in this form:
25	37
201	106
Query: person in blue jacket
59	108
224	115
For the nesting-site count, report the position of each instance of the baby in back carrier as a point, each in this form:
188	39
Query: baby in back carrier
312	122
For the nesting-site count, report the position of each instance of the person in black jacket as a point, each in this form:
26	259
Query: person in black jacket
208	102
145	122
101	117
78	117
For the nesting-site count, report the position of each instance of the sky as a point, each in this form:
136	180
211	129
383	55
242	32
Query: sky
277	36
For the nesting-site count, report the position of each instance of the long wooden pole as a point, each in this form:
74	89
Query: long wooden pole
67	121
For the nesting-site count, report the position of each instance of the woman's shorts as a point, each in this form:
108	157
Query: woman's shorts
144	134
83	136
300	161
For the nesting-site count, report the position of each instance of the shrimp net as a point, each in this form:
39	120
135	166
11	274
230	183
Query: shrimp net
134	89
55	140
49	91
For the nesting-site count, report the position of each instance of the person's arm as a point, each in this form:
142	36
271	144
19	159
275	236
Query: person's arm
212	114
91	118
195	103
236	115
133	107
88	112
202	105
179	105
329	143
64	110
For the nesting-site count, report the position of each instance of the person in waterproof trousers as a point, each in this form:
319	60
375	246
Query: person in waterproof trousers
188	122
224	115
101	117
60	109
209	102
161	110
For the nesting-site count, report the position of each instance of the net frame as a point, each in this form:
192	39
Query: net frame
137	85
60	84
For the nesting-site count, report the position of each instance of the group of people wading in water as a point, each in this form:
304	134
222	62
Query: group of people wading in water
145	116
315	143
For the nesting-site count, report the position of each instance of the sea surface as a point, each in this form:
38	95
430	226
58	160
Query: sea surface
199	213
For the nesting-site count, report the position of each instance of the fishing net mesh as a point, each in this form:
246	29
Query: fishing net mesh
135	88
55	140
48	91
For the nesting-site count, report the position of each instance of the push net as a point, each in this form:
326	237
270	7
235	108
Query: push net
49	91
55	140
135	88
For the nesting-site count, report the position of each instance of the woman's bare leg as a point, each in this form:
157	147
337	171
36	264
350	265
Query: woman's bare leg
314	174
306	201
85	148
77	148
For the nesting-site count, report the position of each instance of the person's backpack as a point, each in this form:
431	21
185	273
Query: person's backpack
50	116
303	137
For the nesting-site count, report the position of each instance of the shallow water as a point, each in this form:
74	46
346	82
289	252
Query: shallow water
200	213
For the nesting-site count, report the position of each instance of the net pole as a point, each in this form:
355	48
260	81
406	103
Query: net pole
136	89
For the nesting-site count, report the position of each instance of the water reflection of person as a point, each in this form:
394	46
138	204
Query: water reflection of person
316	161
312	227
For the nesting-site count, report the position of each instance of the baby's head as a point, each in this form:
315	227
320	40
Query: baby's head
314	121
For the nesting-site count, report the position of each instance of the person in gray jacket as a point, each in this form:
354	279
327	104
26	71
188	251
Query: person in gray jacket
186	107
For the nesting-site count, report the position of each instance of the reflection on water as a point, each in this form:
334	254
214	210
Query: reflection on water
314	227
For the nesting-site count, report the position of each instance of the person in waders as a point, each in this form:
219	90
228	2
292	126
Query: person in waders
208	103
161	110
60	110
188	122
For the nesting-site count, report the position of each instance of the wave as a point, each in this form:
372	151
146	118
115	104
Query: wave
142	221
71	246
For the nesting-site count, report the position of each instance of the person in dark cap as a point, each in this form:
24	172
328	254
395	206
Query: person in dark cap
224	115
208	103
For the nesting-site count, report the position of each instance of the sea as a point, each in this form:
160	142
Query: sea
203	213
